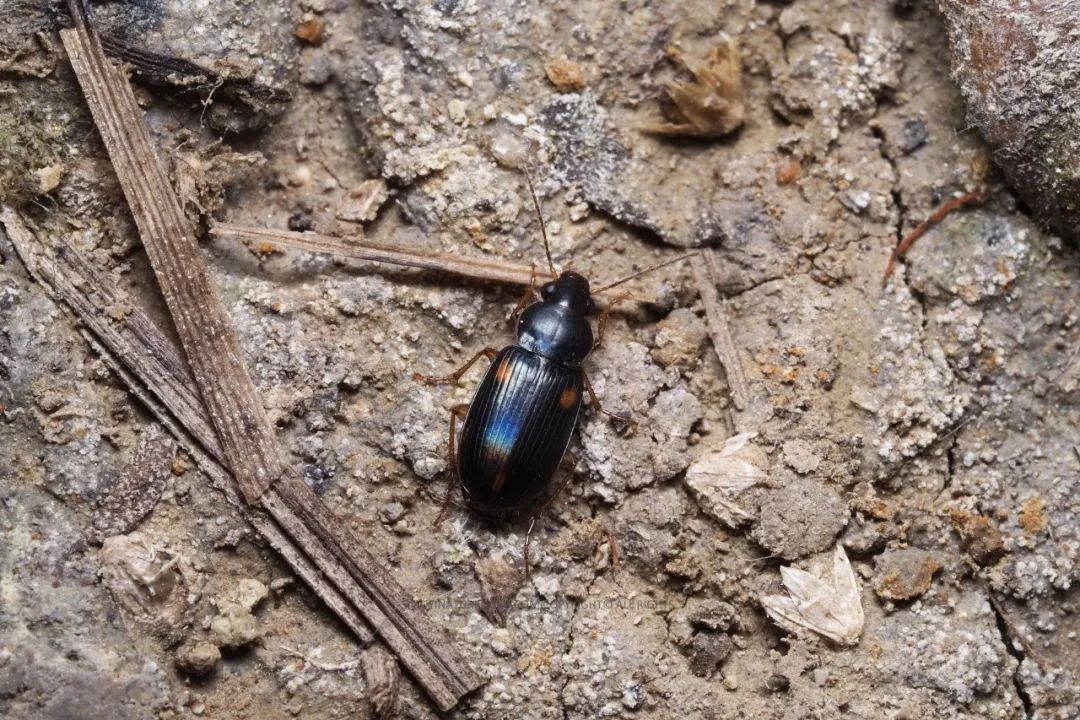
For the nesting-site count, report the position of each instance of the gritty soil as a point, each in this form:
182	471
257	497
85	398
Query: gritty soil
931	427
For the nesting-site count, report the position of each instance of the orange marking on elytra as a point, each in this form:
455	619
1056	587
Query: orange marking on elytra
568	397
503	371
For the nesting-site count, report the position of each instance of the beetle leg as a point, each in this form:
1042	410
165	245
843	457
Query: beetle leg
569	462
452	379
601	326
458	411
595	403
530	294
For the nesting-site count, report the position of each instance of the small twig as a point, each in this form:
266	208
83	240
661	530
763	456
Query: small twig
921	230
482	269
719	330
337	667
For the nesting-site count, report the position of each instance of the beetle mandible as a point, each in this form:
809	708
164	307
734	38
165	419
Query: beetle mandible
518	426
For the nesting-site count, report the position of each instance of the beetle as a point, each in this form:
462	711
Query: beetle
519	424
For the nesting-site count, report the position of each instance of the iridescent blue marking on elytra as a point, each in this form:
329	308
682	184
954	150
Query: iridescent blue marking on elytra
504	431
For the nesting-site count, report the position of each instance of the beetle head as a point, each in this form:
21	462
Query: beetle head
571	291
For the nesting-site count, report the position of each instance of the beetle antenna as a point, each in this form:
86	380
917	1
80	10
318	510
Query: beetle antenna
540	215
646	271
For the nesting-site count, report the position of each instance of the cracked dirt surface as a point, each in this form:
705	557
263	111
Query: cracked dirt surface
931	428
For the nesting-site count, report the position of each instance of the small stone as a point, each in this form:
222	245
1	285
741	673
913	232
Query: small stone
799	456
316	69
312	30
565	75
547	586
246	592
777	683
501	642
392	512
509	148
904	574
915	136
198	659
788	172
578	211
855	200
820	676
300	176
234	627
456	110
980	539
731	683
633	696
48	178
800	519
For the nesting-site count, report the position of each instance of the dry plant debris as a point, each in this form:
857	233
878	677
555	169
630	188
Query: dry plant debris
828	606
717	478
709	106
246	437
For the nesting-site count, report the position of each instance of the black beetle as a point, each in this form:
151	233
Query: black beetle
518	426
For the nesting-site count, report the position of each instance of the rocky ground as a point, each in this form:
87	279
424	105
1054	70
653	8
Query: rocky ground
930	428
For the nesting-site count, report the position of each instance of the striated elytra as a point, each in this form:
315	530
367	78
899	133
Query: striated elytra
523	414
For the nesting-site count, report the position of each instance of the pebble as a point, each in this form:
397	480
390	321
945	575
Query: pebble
799	456
198	659
234	627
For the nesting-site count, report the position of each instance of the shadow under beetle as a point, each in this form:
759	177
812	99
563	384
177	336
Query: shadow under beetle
518	426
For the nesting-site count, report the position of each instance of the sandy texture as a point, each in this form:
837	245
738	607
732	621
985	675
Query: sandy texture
931	428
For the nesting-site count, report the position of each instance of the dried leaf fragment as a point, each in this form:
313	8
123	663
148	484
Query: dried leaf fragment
499	584
712	104
383	677
152	585
133	495
830	607
717	479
